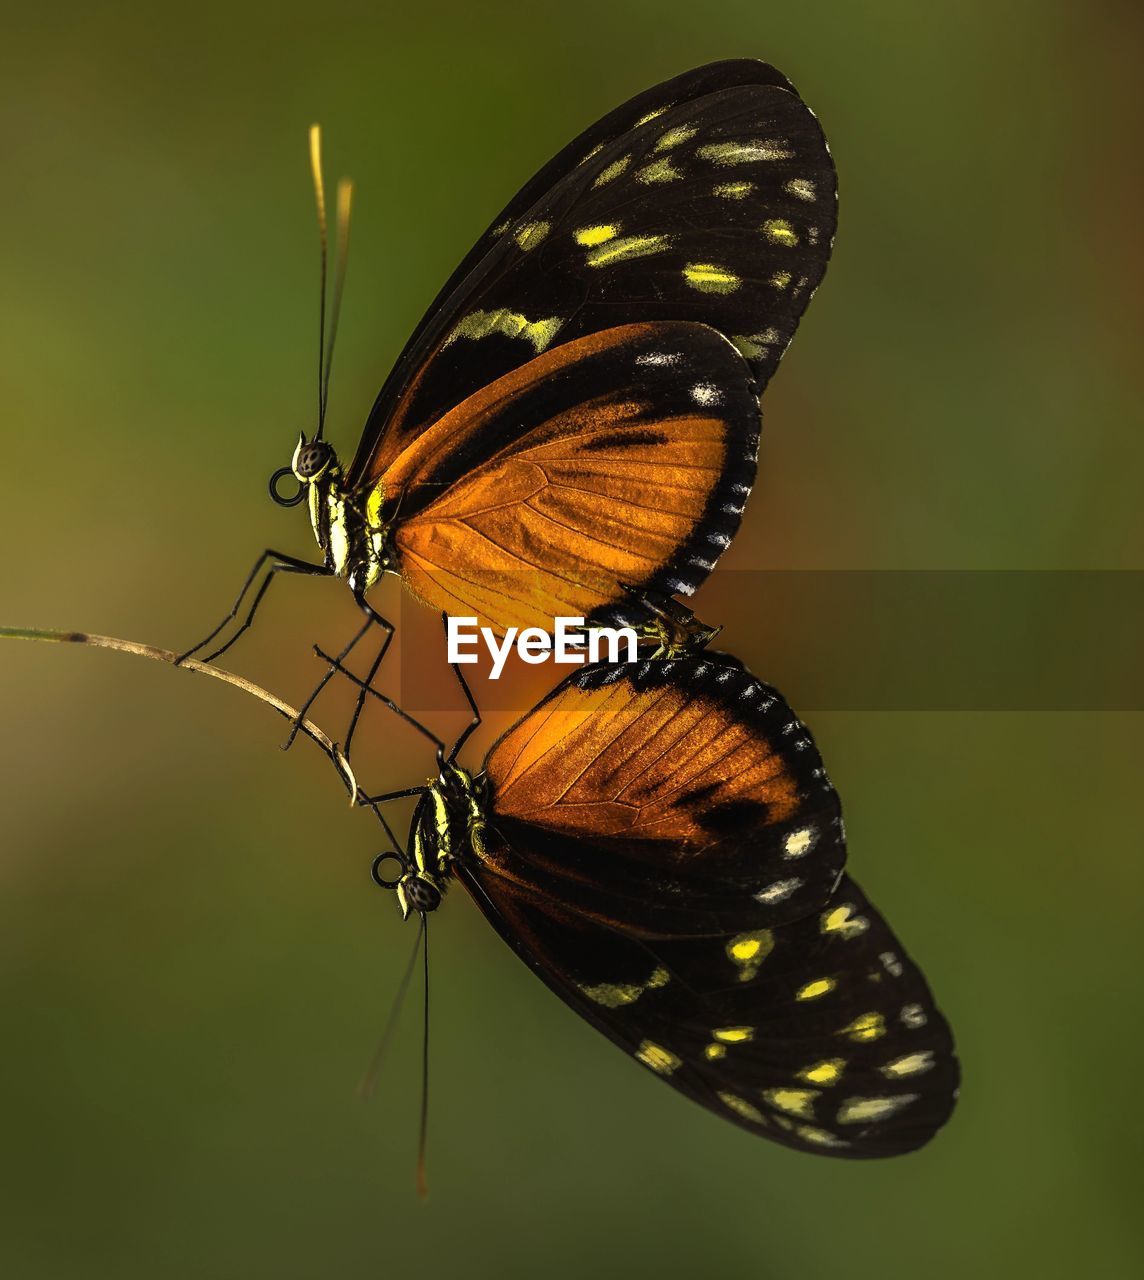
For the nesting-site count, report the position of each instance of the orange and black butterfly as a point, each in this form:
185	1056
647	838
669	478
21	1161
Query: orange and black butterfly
659	842
573	427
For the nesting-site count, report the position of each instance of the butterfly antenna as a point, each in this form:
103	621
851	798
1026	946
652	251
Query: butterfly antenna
323	237
344	201
422	1181
369	1080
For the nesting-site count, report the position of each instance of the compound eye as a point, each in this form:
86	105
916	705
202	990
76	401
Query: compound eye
421	895
312	458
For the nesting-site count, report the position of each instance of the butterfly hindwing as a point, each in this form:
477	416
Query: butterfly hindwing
678	797
820	1034
710	198
618	461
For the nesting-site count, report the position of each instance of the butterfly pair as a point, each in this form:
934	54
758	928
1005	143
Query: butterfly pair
574	425
572	430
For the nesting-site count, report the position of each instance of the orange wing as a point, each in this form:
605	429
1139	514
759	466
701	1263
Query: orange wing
621	459
690	772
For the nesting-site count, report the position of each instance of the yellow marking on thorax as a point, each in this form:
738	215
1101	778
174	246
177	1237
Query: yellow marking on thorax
339	547
373	503
314	498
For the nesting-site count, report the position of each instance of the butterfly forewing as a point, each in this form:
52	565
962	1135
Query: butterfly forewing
671	797
820	1034
710	198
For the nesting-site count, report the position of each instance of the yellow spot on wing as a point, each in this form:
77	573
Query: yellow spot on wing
480	324
828	1071
798	842
800	188
673	137
843	921
734	190
615	995
714	1051
531	234
626	247
588	236
658	1058
749	950
745	152
860	1110
651	115
658	171
612	171
820	1137
754	346
813	990
741	1107
709	278
913	1016
781	279
911	1064
866	1026
733	1035
795	1102
779	231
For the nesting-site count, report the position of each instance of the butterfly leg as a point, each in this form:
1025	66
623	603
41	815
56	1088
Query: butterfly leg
335	666
473	724
373	619
280	562
369	691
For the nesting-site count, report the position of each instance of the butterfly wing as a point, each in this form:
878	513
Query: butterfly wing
620	460
820	1034
666	797
709	198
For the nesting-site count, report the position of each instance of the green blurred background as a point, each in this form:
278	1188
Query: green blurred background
194	966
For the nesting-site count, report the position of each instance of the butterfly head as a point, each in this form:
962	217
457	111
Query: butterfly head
312	460
441	823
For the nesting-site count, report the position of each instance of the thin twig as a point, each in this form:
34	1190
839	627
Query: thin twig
284	709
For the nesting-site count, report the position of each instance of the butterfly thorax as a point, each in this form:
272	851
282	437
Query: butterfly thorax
447	822
347	525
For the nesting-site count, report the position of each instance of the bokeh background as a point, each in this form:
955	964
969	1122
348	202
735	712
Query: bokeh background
193	964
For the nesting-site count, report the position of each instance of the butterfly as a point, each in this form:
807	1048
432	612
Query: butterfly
573	428
660	843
